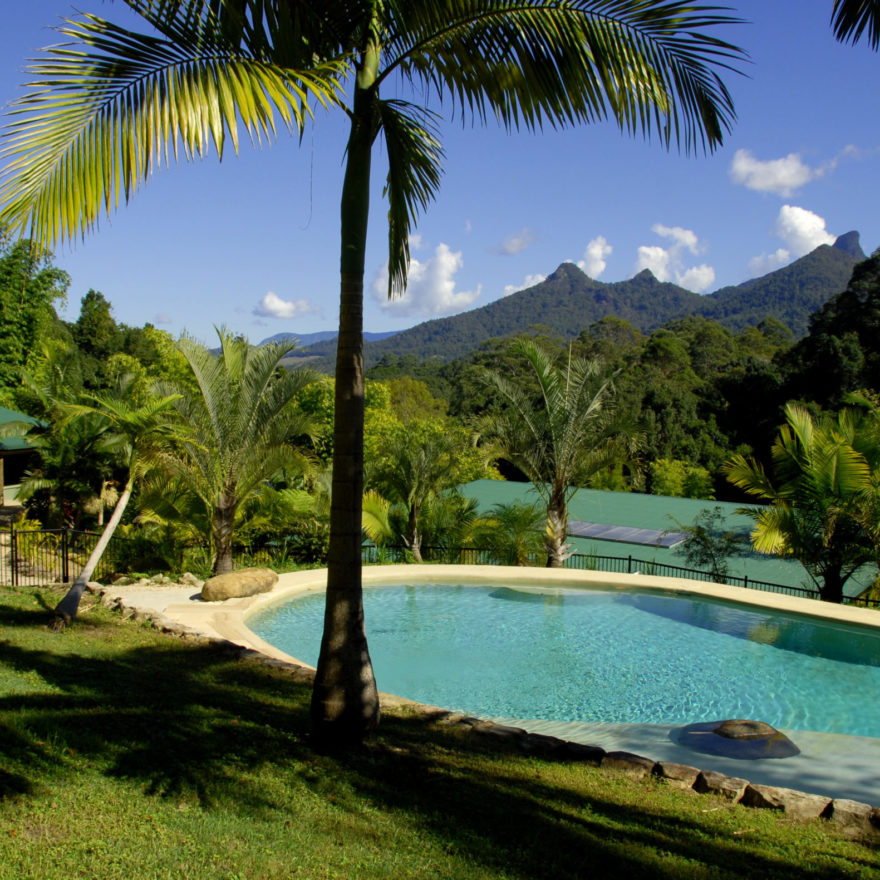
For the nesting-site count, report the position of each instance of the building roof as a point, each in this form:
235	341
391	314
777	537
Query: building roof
14	443
661	513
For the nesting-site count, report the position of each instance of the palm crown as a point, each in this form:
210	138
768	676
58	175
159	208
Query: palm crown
112	106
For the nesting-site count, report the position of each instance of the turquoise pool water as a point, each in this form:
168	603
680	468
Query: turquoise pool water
606	656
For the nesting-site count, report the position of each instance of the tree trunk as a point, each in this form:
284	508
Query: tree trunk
222	525
557	529
65	610
415	539
832	586
345	701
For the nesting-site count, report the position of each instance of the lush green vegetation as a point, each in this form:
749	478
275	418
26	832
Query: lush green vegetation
128	753
687	398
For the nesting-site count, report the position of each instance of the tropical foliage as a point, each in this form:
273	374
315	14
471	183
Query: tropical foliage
556	429
238	409
821	478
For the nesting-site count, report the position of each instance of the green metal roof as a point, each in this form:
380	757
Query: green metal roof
657	512
12	443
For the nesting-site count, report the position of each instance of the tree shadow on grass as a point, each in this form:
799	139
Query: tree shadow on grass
182	719
527	826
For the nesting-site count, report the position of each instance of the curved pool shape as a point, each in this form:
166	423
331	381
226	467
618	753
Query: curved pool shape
607	656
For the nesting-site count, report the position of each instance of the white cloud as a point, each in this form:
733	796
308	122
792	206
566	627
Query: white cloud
656	259
801	230
415	242
430	289
697	278
272	306
162	318
468	226
769	262
594	262
683	238
516	243
528	281
780	176
667	264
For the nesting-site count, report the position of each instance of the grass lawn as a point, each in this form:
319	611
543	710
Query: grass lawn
126	753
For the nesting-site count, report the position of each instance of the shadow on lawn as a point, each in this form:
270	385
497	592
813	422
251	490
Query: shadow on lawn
180	718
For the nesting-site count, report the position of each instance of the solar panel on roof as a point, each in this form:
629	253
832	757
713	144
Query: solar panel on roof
625	534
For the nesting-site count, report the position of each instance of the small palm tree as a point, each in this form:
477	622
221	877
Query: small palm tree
418	462
820	480
239	415
138	434
558	434
512	532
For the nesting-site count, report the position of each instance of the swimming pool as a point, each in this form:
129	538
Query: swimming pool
604	655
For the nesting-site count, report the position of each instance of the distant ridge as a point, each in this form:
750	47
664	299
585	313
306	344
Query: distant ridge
568	301
306	339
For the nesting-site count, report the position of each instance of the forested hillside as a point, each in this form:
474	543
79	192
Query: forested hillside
569	301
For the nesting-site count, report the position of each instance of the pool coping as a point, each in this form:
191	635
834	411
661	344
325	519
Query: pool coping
180	609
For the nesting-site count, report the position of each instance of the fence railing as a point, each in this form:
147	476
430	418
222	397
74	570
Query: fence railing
608	564
42	556
39	556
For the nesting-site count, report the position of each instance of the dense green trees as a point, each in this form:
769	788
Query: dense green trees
30	286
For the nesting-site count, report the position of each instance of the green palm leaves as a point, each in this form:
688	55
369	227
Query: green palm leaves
850	19
555	428
241	428
815	497
111	106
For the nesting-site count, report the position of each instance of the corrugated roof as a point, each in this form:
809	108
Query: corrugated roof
14	444
657	512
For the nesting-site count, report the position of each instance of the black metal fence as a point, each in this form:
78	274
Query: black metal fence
43	556
608	564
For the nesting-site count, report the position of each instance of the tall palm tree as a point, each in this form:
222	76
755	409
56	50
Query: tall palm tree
816	496
106	112
239	415
555	429
137	433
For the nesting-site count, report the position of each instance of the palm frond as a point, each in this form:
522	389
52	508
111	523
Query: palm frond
650	66
851	19
111	106
414	169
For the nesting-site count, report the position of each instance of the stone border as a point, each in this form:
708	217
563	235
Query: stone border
851	818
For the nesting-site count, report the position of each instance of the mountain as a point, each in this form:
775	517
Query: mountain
304	340
568	301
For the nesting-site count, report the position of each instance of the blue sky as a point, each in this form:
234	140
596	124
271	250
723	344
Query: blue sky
252	242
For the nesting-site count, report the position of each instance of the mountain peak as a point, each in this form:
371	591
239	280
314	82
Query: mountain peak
849	243
645	275
567	270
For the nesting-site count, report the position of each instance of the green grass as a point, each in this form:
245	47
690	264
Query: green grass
125	753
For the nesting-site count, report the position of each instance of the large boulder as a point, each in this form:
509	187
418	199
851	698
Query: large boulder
236	584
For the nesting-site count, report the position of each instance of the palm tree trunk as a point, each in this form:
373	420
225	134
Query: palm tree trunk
557	529
831	589
66	609
345	701
415	539
222	525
